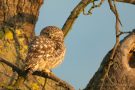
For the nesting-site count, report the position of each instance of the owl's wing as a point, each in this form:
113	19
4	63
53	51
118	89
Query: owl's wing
40	48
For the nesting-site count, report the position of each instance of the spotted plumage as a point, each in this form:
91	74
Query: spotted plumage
46	51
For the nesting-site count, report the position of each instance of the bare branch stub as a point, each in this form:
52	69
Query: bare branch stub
93	7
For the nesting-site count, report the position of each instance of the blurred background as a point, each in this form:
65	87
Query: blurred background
90	38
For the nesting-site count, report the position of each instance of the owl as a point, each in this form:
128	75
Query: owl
46	51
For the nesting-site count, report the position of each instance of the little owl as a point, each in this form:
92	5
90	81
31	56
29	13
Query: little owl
46	51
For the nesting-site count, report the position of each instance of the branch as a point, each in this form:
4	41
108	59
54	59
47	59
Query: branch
78	9
17	46
38	73
127	1
93	6
73	16
54	78
15	68
117	25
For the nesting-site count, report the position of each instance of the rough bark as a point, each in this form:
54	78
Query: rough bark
117	74
17	23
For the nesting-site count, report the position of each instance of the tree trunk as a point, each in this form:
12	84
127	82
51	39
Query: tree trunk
17	23
119	73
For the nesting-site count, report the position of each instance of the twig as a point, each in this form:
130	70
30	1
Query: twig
106	71
121	32
17	46
114	10
45	81
118	22
93	6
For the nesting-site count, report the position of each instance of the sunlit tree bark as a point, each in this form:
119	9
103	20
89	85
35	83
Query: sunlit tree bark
17	23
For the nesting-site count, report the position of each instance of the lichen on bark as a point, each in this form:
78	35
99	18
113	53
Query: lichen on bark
17	23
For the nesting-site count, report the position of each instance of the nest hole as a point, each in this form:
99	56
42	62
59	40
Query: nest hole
131	59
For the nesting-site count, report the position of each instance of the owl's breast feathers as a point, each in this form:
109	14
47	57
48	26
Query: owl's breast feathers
44	53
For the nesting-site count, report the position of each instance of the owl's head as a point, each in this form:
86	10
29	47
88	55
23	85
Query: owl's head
53	33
